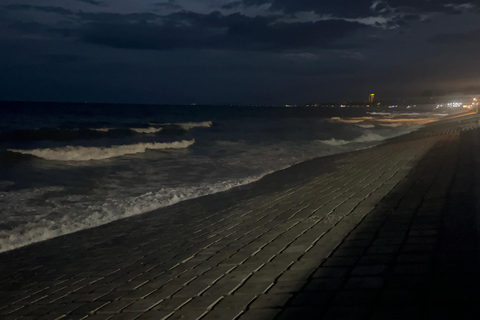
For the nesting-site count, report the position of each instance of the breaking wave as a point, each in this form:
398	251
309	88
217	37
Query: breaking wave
392	125
110	210
366	126
70	153
137	130
191	125
367	137
187	125
147	130
350	119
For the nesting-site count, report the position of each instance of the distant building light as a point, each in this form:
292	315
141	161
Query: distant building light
371	98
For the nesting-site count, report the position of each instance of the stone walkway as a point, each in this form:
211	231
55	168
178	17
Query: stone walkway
383	233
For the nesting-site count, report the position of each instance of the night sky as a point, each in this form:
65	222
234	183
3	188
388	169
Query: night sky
236	52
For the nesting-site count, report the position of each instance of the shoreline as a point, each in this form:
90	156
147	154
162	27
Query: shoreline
289	174
233	249
36	235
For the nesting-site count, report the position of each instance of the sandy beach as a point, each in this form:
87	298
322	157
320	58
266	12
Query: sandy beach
381	233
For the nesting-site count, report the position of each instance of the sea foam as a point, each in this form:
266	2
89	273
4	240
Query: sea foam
186	125
147	130
83	217
366	137
79	153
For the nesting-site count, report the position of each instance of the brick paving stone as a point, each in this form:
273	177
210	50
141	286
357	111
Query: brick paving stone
385	249
411	268
67	308
376	259
223	314
142	305
286	286
340	262
191	290
236	301
399	313
306	264
356	297
414	258
99	317
324	284
364	282
222	288
369	270
202	302
320	298
186	314
72	317
294	275
402	297
248	267
114	307
89	307
11	309
331	272
260	314
346	313
254	286
271	300
114	295
304	313
125	316
44	309
265	275
171	304
149	315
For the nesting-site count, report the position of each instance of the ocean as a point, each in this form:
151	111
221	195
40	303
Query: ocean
65	167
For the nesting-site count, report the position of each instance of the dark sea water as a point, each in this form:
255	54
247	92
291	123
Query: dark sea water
68	167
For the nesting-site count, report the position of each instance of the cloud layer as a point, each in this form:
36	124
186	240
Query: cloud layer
310	47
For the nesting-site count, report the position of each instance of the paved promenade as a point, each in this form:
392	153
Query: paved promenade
384	233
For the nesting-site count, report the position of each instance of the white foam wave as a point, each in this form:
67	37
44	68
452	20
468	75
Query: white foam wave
335	142
366	126
351	119
380	113
147	130
407	121
187	125
392	125
70	153
101	129
137	130
367	137
111	210
191	125
408	114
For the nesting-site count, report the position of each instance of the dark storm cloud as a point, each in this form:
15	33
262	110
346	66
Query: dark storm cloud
48	9
444	6
116	18
262	51
364	8
27	27
93	2
170	4
232	5
214	31
344	8
62	58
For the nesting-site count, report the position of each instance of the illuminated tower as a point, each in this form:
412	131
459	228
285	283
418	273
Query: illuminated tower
371	98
